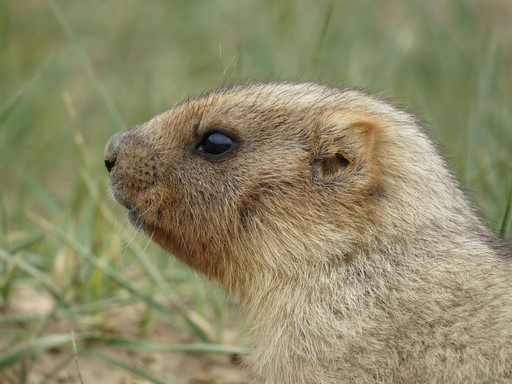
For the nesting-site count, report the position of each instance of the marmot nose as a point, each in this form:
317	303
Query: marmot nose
109	163
111	152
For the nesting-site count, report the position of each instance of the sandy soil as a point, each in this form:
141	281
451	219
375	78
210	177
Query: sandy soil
179	368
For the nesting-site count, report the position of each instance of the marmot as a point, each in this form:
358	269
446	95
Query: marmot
330	216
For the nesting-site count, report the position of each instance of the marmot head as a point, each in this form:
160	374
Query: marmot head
267	178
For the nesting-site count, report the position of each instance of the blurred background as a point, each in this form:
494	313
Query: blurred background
83	298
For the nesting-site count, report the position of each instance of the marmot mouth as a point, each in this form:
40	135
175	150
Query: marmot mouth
134	214
136	220
118	196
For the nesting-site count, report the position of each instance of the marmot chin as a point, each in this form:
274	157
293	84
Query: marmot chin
330	216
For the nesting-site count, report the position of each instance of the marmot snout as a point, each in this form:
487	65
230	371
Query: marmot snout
332	219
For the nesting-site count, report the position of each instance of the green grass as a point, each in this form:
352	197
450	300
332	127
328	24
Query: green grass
73	73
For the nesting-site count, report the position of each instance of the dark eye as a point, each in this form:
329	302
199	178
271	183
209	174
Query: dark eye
215	143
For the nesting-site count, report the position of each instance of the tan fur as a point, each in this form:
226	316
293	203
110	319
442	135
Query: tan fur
352	251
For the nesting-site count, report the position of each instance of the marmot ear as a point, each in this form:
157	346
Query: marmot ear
346	144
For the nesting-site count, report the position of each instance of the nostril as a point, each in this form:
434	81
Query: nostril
109	164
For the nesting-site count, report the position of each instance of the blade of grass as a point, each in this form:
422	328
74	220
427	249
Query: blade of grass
40	277
11	104
75	357
148	346
31	347
86	64
37	189
102	265
49	377
27	242
76	310
505	223
486	76
127	367
323	34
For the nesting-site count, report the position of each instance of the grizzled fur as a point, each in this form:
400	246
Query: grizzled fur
352	251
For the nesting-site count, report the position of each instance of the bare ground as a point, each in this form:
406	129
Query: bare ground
172	367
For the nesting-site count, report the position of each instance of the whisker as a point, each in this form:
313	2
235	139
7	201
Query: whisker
128	243
150	238
143	252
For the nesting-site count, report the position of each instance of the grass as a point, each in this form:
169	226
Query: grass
72	74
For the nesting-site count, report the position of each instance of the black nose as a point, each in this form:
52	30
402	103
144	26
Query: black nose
112	151
110	163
